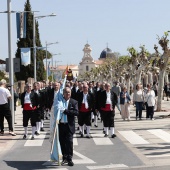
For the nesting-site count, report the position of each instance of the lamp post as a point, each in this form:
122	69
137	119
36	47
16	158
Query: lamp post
34	40
11	68
46	59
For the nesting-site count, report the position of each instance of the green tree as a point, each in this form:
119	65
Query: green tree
28	71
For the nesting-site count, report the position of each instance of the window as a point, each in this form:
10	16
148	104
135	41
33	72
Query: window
87	68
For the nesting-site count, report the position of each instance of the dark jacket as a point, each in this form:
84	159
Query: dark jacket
103	98
71	112
33	98
74	93
122	99
90	100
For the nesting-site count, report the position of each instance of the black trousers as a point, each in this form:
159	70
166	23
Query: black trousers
84	118
66	141
29	115
150	111
5	113
39	114
147	115
108	118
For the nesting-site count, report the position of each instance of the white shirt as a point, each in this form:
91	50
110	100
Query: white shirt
85	100
27	98
150	98
91	90
77	88
4	93
108	100
63	116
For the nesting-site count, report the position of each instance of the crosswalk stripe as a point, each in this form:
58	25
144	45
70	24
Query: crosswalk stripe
83	160
107	166
157	156
38	141
75	142
100	140
161	134
133	138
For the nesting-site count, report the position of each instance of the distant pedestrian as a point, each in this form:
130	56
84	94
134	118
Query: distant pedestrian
4	108
138	100
150	101
117	89
125	101
155	88
167	90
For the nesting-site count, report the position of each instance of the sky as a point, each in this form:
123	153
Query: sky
120	23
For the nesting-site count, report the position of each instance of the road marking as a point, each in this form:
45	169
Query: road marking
38	141
99	139
83	160
75	142
133	138
108	166
157	156
161	134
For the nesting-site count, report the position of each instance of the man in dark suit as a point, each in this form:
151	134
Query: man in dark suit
107	106
86	106
29	103
67	127
74	90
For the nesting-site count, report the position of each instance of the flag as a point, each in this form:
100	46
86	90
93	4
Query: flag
65	72
21	24
49	71
25	56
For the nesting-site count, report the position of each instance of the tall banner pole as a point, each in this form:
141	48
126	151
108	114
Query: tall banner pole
46	65
11	68
34	49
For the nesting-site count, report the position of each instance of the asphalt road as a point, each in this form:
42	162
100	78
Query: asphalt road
139	145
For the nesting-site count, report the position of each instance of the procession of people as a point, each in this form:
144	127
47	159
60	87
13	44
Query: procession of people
85	102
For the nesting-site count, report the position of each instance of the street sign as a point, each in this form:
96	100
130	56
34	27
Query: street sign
16	62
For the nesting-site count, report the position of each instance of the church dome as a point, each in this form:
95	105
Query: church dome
105	52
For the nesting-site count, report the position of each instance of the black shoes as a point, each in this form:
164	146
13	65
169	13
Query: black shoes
70	163
95	125
106	135
32	138
25	137
88	137
2	132
42	129
64	162
81	135
113	136
36	133
92	120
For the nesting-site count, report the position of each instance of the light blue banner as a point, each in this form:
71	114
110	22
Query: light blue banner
25	56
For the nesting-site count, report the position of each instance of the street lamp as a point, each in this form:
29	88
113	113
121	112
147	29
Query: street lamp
34	40
46	58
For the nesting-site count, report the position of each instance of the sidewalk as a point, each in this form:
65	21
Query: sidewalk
6	140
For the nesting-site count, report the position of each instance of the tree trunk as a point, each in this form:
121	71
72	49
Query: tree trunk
128	85
160	89
138	77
